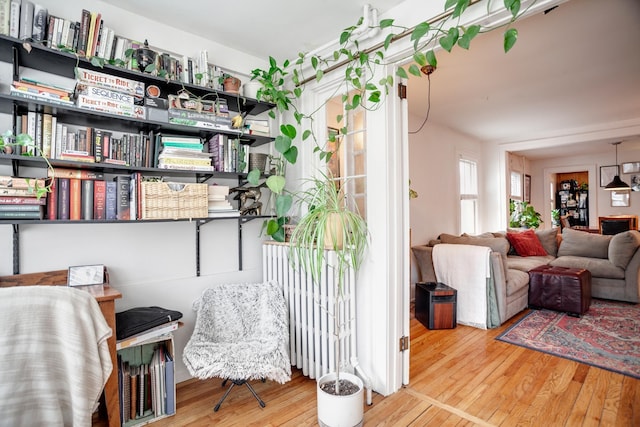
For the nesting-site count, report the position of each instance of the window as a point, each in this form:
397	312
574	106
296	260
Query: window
348	164
468	196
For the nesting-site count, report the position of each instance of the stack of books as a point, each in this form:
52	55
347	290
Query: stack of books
38	91
257	127
183	152
218	202
105	93
199	113
18	198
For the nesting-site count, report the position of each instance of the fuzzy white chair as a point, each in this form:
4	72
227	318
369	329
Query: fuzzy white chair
241	334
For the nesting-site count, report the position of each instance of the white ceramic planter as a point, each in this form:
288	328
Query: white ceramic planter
340	411
250	89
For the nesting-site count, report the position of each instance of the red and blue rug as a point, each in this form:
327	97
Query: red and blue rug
607	336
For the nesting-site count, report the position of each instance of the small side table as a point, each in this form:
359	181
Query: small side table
436	306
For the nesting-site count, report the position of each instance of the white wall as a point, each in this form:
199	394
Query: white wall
150	263
433	168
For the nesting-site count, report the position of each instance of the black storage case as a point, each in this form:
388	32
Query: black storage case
436	306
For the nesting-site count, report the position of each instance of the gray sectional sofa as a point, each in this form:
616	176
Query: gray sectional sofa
614	262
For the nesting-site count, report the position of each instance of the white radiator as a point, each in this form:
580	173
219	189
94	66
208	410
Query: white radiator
311	320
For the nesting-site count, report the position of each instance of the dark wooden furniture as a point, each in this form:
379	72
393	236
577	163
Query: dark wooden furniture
560	288
615	224
436	306
106	300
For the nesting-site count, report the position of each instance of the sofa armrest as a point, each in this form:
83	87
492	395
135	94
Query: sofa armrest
500	284
632	279
424	263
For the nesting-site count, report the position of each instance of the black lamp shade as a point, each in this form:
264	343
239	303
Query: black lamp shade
617	184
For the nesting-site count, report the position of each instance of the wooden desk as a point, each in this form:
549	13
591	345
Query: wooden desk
106	300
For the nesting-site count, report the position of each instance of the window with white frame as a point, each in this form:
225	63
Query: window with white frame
516	185
468	196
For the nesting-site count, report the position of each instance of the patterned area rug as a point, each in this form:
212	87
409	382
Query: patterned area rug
607	336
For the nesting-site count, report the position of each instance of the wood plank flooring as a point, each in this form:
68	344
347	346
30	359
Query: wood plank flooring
458	377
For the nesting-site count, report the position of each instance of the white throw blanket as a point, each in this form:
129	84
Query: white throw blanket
465	268
54	356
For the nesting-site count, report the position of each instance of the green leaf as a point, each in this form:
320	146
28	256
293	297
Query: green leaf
283	204
298	117
447	42
400	72
461	6
272	114
339	118
314	62
415	70
272	226
288	130
272	62
297	92
344	37
356	83
254	177
510	39
291	154
374	96
449	3
513	6
319	75
420	58
388	40
469	35
371	86
419	31
276	183
355	101
385	23
431	58
278	235
282	143
306	134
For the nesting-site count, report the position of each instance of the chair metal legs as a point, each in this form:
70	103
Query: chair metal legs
234	383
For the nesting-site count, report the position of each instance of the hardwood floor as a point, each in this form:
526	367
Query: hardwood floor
458	377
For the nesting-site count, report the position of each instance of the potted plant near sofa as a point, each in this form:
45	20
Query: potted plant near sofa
331	239
523	215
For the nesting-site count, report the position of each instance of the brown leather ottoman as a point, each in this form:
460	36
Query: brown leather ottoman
560	289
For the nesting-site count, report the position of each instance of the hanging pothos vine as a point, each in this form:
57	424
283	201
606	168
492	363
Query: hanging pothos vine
282	84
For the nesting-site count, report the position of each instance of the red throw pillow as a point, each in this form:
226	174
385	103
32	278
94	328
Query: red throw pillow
526	243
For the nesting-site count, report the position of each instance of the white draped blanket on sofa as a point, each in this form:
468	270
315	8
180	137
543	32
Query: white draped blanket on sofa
476	301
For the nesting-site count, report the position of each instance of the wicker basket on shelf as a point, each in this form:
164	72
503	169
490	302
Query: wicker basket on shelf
173	200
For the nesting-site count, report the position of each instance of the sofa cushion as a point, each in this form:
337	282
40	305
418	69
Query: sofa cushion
549	240
597	266
526	243
583	244
527	263
622	247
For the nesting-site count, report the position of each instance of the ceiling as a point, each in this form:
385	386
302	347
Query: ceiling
574	67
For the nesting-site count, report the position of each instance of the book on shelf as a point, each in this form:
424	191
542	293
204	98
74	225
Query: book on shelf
186	167
197	116
75	199
224	213
83	34
52	200
63	198
40	97
20	192
35	86
22	214
199	124
40	19
149	334
99	199
86	199
17	182
123	208
14	19
21	200
26	19
77	156
75	173
107	81
170	384
21	208
110	201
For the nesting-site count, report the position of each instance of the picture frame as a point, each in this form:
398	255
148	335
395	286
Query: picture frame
527	188
607	173
635	182
620	198
631	167
85	275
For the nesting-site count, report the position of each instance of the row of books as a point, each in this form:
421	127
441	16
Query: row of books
91	36
183	152
228	154
146	382
18	198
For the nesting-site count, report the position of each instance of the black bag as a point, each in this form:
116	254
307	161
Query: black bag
136	320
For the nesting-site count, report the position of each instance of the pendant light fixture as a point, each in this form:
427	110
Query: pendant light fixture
617	183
